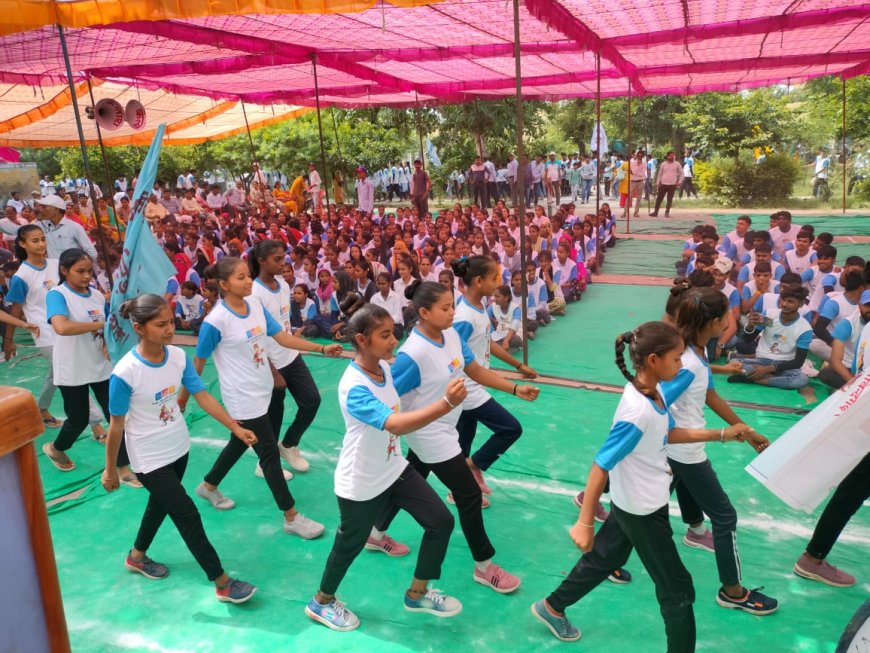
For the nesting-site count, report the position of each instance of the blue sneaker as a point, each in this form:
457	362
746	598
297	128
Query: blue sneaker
332	615
561	628
434	602
147	567
235	591
754	602
620	576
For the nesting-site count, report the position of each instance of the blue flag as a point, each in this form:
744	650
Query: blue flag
144	266
433	154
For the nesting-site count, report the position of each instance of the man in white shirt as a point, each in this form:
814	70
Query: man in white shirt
820	179
46	186
214	200
511	171
491	193
637	167
552	172
688	185
536	187
783	233
61	233
16	202
235	197
669	178
314	183
9	225
365	190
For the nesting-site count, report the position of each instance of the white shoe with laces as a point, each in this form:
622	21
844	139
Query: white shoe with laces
307	529
294	458
258	471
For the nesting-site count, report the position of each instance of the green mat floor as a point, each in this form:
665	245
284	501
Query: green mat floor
108	609
838	225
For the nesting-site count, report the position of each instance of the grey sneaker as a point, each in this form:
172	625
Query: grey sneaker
561	628
434	602
216	498
235	591
258	472
307	529
294	458
147	567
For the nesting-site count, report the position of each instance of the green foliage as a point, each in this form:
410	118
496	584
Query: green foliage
742	182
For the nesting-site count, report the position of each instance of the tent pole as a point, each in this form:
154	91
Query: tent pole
419	128
629	156
320	132
256	172
102	149
521	193
85	161
598	132
844	145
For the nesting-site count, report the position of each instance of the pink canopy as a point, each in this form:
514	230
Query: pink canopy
460	50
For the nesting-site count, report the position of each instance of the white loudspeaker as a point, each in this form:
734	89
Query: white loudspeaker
135	114
109	114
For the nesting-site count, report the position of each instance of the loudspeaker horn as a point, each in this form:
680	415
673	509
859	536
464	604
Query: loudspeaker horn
135	114
109	114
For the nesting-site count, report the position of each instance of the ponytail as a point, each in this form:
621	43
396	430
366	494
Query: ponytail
649	338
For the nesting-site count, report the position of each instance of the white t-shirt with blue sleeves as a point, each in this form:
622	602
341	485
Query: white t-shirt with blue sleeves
848	331
686	396
238	343
731	294
78	359
505	320
474	328
371	458
147	394
747	271
635	454
779	340
441	362
277	304
28	287
837	308
189	308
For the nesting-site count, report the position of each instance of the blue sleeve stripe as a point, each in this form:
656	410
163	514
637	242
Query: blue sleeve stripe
464	329
673	389
466	353
621	441
119	396
190	379
804	340
209	337
55	304
272	326
365	407
17	290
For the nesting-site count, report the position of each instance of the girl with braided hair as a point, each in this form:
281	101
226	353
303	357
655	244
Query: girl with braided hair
634	458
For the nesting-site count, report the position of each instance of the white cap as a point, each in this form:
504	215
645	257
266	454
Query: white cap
53	200
723	264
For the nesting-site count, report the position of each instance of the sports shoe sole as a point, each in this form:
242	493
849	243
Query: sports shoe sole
375	547
618	581
735	606
697	545
227	599
316	617
803	573
258	472
553	630
130	567
434	613
483	582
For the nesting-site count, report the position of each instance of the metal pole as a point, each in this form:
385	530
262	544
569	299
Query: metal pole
419	128
256	171
103	151
521	193
320	132
630	157
598	132
844	144
85	161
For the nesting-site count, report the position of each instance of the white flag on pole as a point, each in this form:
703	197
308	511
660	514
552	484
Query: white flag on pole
598	133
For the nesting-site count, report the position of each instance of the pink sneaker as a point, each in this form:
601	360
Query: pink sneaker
452	502
823	572
497	578
478	476
389	546
601	514
703	542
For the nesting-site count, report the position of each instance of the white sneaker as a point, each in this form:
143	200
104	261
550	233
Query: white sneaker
294	458
307	529
216	498
258	471
809	369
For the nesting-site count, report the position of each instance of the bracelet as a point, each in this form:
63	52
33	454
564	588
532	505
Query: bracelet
514	392
586	525
323	349
722	435
447	401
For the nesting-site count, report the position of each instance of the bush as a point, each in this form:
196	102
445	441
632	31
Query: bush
742	182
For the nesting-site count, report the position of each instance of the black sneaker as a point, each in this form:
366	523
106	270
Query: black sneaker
753	602
620	576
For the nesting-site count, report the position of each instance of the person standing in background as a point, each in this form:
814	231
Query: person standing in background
420	187
669	178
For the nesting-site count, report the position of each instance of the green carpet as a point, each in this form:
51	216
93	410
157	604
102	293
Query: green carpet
838	225
643	257
656	226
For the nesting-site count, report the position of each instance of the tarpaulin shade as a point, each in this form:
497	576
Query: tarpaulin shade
50	121
397	53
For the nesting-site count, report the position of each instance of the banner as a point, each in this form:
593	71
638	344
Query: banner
433	154
818	452
144	266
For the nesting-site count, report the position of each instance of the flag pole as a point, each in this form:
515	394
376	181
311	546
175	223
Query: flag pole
597	132
320	132
521	195
85	161
419	128
628	199
844	145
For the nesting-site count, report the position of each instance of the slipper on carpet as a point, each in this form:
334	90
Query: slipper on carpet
58	458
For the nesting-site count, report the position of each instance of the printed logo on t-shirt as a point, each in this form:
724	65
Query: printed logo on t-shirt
259	354
454	365
779	340
163	394
48	284
393	448
166	399
250	334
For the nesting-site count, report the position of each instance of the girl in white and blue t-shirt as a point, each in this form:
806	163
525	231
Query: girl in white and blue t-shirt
36	275
143	401
372	473
634	458
433	355
236	334
288	369
77	313
702	315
